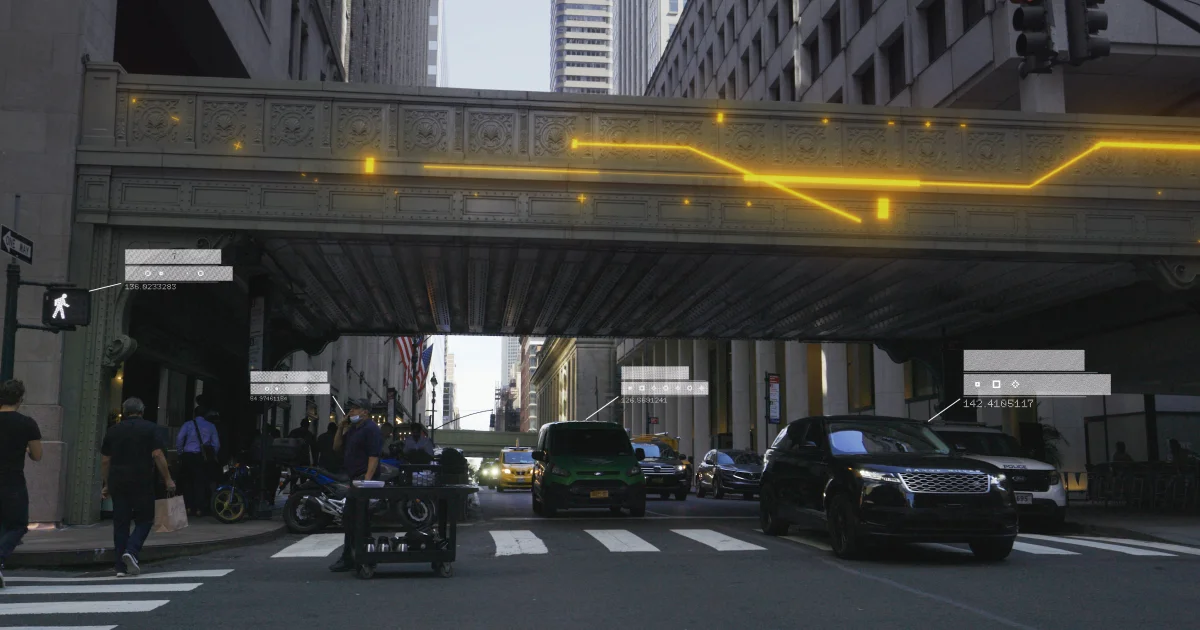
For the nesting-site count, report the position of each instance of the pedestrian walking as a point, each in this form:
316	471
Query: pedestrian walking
130	454
198	445
303	432
19	437
361	441
327	457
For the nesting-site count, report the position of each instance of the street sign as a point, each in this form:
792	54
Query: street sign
66	308
773	399
653	419
16	245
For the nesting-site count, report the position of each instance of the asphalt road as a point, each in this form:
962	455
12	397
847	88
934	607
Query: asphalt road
696	564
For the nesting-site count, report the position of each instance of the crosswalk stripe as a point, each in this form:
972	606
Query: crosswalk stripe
313	546
1097	545
76	608
808	541
166	575
1192	551
1041	550
620	540
96	589
717	540
517	542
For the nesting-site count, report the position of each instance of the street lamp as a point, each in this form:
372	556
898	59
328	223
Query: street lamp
432	399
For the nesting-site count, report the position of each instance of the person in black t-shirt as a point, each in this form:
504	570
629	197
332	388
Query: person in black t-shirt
131	451
328	458
19	435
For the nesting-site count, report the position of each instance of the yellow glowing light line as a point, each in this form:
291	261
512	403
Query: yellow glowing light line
509	169
917	183
729	165
884	208
369	167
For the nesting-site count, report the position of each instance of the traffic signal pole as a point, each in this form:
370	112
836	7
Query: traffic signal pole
1182	17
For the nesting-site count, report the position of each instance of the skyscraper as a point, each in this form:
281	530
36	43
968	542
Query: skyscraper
397	43
581	37
642	30
510	355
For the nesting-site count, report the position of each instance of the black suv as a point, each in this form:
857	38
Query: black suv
665	472
874	478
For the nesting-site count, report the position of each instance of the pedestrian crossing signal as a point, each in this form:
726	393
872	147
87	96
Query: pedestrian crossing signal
66	308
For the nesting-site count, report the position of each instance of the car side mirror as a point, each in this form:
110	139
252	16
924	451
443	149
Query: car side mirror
539	456
641	453
959	448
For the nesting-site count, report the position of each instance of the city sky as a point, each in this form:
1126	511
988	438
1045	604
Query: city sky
491	45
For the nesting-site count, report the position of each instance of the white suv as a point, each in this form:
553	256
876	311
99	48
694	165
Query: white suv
1037	485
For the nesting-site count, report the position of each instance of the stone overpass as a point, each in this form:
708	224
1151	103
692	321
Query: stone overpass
483	443
382	211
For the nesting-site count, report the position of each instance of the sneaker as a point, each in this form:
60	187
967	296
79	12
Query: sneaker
120	574
341	566
131	564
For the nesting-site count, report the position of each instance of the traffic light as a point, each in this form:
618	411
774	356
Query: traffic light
1084	23
1035	42
65	308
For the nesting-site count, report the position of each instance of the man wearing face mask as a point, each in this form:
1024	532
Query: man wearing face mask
361	443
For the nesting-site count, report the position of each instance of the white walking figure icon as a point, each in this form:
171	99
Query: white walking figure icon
59	307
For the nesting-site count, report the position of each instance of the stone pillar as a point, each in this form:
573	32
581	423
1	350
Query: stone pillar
764	353
889	386
834	386
795	361
671	421
1043	93
739	375
701	427
686	405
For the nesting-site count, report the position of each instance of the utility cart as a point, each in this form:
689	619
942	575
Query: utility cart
437	547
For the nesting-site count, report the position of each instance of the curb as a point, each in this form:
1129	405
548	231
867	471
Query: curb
1088	529
104	556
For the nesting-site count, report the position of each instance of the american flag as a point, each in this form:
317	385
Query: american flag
409	348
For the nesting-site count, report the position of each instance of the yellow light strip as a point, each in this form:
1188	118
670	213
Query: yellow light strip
509	169
883	209
369	166
729	165
835	181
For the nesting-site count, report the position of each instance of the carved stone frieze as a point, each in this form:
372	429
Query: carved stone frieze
689	132
988	151
808	145
118	349
223	122
492	133
624	130
293	125
746	141
426	130
156	121
360	128
552	134
927	149
866	146
1044	151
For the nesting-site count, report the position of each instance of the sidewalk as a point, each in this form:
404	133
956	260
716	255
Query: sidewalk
1182	529
92	545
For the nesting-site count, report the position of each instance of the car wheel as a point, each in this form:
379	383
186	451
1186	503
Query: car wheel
718	491
537	505
768	516
843	528
700	491
681	495
549	510
992	549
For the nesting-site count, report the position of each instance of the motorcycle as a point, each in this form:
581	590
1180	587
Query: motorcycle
320	501
234	499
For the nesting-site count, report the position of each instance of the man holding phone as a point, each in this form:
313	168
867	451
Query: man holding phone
361	443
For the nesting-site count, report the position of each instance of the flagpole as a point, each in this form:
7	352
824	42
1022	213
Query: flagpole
416	357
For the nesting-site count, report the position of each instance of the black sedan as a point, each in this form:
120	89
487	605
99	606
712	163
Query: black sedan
734	471
871	479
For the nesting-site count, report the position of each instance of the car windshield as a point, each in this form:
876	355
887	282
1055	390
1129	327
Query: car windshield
656	451
983	443
518	457
592	443
883	437
738	458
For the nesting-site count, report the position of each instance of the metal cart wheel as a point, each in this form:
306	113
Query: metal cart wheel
443	569
366	571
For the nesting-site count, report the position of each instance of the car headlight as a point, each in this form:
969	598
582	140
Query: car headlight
876	476
635	471
508	471
560	471
1055	478
999	481
681	468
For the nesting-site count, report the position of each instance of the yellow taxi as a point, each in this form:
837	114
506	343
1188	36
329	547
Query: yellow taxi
516	468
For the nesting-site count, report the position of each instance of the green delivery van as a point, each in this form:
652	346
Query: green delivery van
586	465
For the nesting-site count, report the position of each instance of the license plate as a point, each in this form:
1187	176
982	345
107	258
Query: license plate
656	480
1024	498
599	494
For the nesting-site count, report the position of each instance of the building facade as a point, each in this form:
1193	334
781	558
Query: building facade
575	378
530	346
581	44
397	43
510	355
944	53
641	32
